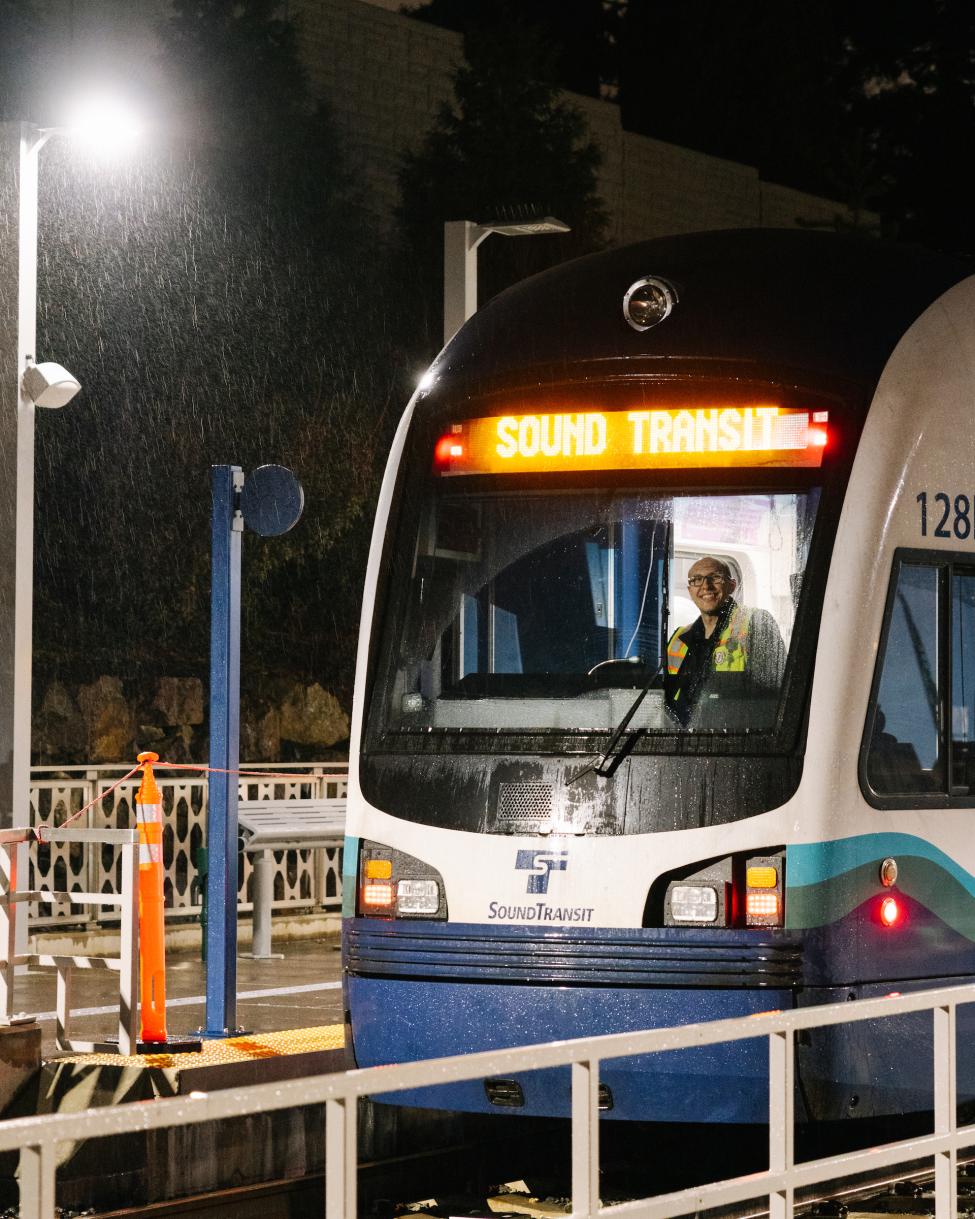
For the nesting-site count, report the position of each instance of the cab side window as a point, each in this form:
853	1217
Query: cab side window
963	683
919	745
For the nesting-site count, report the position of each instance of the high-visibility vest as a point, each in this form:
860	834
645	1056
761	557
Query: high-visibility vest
730	654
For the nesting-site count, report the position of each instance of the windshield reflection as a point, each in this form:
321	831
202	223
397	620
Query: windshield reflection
548	612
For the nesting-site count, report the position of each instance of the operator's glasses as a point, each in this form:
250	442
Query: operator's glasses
712	581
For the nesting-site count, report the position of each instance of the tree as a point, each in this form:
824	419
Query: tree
508	144
872	104
914	65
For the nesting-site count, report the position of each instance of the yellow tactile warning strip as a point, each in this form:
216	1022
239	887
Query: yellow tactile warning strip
233	1049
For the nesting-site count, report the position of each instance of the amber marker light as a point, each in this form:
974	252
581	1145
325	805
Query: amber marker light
763	877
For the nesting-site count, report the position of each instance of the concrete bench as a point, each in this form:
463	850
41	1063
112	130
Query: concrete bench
283	825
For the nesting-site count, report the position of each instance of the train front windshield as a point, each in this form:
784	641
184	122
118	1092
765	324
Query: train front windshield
543	609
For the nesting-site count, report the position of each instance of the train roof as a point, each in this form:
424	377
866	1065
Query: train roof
776	300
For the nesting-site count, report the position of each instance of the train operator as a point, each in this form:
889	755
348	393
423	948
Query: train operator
725	669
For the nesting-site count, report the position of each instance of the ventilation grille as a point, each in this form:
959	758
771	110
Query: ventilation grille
525	802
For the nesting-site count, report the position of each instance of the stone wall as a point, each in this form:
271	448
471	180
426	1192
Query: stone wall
385	77
107	721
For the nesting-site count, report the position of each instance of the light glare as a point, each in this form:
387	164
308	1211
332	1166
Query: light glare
105	124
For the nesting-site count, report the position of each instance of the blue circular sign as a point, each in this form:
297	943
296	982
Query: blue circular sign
271	500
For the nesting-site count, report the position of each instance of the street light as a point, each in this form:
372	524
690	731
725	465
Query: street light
24	384
460	241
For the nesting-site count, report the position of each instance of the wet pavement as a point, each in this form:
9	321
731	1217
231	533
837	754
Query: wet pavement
300	990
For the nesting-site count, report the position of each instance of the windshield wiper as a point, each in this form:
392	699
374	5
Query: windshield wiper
616	660
608	760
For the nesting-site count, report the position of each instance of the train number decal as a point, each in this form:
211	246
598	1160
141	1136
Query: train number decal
950	516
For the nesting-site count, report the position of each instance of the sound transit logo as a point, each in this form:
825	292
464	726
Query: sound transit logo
541	865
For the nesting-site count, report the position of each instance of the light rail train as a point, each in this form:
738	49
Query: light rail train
544	841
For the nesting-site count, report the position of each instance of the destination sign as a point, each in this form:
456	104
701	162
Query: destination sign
754	435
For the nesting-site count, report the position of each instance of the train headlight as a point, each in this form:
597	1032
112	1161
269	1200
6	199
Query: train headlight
693	904
734	891
648	302
393	884
417	897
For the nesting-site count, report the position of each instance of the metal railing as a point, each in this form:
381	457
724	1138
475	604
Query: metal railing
309	879
14	900
37	1137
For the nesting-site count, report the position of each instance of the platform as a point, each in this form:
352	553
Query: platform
301	990
73	1081
291	1010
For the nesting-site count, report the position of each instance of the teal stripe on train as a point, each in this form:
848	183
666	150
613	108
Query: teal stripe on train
810	863
828	880
350	869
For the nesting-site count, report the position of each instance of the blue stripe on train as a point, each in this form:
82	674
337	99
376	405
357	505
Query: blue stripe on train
399	1021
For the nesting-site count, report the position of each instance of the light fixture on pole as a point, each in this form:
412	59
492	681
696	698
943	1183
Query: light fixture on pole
460	241
49	385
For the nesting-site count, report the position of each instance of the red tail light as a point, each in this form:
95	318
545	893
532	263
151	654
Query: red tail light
890	912
449	448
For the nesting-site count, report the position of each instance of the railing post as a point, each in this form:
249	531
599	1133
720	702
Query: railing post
38	1165
8	922
128	1013
63	1006
341	1157
585	1138
94	916
781	1132
945	1111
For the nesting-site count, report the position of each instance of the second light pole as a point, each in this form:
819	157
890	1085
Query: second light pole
460	241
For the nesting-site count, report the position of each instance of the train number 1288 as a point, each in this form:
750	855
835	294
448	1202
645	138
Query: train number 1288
951	515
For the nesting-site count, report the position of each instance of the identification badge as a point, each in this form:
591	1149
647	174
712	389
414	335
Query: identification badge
720	656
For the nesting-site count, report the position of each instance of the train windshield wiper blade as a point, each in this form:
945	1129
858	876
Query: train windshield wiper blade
608	754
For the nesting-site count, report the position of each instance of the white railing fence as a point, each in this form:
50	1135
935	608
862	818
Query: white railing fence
124	843
309	878
37	1137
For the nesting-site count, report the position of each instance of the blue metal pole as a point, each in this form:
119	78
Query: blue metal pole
221	932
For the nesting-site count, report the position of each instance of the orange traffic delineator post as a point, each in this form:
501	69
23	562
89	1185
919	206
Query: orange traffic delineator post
152	919
152	925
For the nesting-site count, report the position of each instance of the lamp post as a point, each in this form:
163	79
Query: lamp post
24	385
20	144
460	241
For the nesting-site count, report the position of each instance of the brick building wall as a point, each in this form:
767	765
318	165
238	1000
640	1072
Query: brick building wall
386	76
